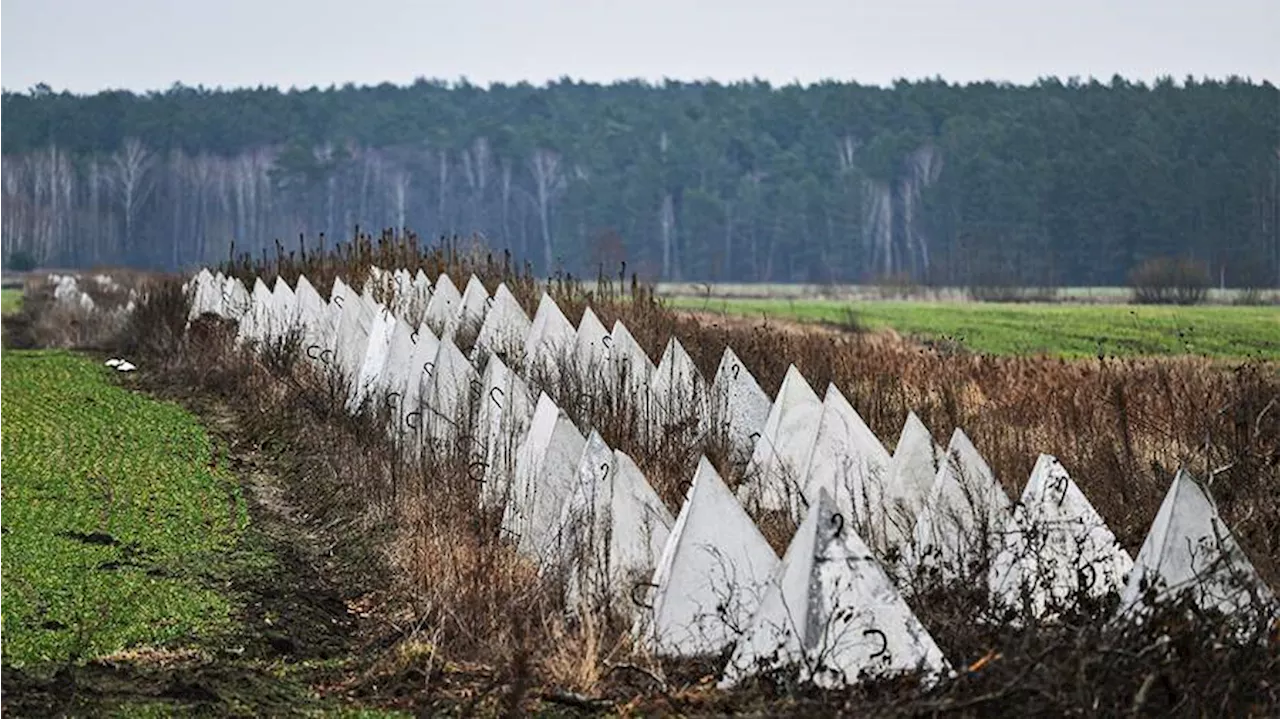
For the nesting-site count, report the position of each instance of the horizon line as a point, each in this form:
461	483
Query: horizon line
462	81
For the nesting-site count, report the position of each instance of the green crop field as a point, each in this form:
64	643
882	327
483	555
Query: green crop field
10	301
115	519
1066	330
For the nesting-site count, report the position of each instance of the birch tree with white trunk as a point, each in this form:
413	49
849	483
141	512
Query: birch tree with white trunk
132	167
549	183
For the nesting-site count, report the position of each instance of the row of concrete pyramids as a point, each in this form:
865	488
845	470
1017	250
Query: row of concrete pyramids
872	524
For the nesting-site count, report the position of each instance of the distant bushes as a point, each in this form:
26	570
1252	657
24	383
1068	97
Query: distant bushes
994	284
21	261
1011	293
1169	281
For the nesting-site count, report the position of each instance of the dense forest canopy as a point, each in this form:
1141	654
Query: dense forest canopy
1057	182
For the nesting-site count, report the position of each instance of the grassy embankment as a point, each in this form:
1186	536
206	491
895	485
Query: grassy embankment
1066	330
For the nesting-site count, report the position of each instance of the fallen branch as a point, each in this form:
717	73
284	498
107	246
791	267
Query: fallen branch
577	701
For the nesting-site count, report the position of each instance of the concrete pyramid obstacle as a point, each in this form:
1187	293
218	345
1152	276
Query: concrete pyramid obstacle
203	288
235	298
470	311
548	344
377	279
284	310
400	296
1190	554
629	370
446	407
354	325
381	332
445	300
255	322
397	368
620	527
590	350
416	295
505	413
1056	548
711	576
963	515
504	329
572	529
217	292
739	407
678	396
417	384
777	465
846	459
313	317
488	409
339	294
912	469
831	611
545	477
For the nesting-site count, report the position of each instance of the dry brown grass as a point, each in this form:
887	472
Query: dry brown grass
1120	427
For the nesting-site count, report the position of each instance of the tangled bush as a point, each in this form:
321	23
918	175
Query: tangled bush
1169	281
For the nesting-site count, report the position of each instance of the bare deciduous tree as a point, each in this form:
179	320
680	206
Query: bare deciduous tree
548	182
132	165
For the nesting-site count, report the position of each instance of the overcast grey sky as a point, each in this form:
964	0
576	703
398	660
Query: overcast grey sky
88	45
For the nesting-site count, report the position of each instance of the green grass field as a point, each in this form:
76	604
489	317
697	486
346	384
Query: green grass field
115	520
10	301
1066	330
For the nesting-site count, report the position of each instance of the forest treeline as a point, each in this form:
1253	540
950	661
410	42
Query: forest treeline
1052	183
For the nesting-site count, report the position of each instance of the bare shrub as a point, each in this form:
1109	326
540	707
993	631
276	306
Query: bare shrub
1167	280
1012	293
897	286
